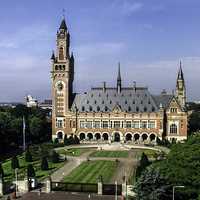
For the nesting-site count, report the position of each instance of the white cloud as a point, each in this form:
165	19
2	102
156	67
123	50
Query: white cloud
127	7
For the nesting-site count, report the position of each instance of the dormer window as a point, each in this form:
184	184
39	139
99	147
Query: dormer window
126	102
95	102
129	109
90	108
141	102
137	109
83	108
87	101
103	102
106	108
145	109
153	109
133	101
98	108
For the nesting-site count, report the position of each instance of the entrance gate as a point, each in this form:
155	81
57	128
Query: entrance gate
116	137
110	189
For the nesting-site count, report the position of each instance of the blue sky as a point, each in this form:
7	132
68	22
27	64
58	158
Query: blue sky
148	37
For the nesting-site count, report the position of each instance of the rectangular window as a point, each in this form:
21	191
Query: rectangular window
105	124
173	110
116	124
82	124
152	124
97	124
89	124
59	123
128	124
143	124
136	124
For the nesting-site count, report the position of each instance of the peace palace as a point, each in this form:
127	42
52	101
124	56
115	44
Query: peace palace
112	114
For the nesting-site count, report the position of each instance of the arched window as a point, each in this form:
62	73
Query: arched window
173	129
83	108
145	109
129	109
98	108
90	108
61	53
137	109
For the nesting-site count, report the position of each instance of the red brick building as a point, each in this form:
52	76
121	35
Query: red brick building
106	114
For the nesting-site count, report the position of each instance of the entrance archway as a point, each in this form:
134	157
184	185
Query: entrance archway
116	137
60	135
128	137
82	136
105	136
90	136
98	136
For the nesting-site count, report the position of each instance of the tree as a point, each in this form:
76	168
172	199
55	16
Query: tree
44	164
153	186
76	140
35	124
54	157
30	171
144	162
28	156
1	170
66	141
14	162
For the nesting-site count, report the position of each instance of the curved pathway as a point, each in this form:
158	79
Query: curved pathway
125	165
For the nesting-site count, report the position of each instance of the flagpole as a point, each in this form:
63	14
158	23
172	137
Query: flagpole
24	134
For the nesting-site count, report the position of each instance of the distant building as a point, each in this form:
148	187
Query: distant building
31	102
46	104
119	114
9	104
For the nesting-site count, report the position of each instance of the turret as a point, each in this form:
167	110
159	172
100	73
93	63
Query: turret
180	87
119	80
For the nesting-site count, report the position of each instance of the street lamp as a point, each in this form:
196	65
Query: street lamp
115	190
16	183
177	186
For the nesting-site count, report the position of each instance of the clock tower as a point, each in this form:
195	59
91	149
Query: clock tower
62	76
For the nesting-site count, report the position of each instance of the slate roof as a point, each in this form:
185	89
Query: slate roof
130	100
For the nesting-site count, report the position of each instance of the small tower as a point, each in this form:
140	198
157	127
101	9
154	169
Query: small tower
180	87
119	80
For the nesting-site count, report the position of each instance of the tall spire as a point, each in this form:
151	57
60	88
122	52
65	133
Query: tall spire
119	80
180	87
63	25
180	73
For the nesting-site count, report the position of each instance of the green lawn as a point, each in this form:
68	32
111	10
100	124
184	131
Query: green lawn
40	174
74	151
89	172
111	154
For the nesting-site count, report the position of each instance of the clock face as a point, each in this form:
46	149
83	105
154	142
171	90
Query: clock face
60	86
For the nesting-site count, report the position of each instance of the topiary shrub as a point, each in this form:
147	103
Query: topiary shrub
28	156
44	164
30	171
14	162
54	157
1	171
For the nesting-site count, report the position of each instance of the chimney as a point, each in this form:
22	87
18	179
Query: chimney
134	85
104	86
